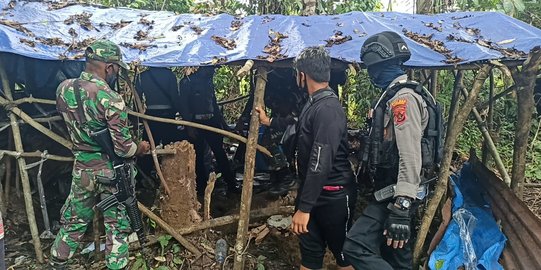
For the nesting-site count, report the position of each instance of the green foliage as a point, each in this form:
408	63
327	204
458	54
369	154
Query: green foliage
338	7
357	96
164	241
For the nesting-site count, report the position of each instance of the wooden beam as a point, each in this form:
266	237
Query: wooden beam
27	191
247	186
199	126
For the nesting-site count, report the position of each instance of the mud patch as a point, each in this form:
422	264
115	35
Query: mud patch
181	208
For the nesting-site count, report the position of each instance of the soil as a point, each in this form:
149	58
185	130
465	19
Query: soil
180	209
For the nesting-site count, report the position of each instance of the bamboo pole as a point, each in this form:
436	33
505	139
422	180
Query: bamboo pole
199	126
7	188
162	120
170	230
434	83
59	139
504	93
22	169
450	141
247	185
490	117
525	80
491	147
140	108
222	221
38	120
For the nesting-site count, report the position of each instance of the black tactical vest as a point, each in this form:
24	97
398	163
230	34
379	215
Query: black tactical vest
384	154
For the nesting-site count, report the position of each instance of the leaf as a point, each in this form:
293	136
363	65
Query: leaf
160	259
176	248
138	264
178	260
164	240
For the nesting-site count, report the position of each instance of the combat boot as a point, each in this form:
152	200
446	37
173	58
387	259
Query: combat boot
56	264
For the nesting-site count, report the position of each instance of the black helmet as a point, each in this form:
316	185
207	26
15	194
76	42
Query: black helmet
384	46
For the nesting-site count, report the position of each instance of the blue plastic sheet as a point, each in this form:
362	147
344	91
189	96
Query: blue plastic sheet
486	237
186	48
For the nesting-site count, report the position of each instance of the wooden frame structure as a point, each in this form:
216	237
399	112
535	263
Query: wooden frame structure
524	81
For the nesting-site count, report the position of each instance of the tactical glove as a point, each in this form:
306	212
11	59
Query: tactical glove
398	224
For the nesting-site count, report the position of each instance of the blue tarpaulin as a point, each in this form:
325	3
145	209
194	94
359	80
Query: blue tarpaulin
473	239
172	40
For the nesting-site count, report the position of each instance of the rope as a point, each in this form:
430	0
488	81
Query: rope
4	127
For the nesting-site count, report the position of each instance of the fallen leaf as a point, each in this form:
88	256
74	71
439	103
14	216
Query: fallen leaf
235	25
267	19
120	24
11	5
82	19
17	26
72	32
141	35
198	30
224	42
160	259
507	41
138	46
337	39
52	41
340	24
145	21
305	24
473	31
176	28
28	42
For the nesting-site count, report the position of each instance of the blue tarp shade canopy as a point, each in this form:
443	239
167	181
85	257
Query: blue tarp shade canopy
50	31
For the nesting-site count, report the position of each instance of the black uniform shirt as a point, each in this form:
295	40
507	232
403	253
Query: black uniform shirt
322	148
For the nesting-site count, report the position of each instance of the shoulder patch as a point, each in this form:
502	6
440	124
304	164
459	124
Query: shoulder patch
398	107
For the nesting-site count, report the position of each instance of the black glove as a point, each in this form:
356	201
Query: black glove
398	224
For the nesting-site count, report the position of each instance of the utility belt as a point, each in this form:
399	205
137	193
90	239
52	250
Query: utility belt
203	116
388	192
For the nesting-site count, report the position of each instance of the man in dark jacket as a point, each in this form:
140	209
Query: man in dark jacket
327	192
197	90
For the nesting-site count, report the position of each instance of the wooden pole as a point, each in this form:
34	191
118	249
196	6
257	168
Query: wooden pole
490	117
247	185
452	135
141	109
199	126
490	146
22	170
9	107
434	83
7	188
525	81
189	246
222	221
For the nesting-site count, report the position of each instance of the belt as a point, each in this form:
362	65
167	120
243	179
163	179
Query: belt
333	188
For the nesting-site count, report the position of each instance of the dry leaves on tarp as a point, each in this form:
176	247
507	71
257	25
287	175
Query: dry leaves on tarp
28	42
274	47
146	22
216	61
224	42
17	26
267	19
435	27
140	35
10	5
72	32
138	46
436	45
452	37
52	41
81	45
176	28
198	30
120	24
82	19
337	39
236	25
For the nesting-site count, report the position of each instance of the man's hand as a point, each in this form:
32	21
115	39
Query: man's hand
142	148
397	227
263	118
299	223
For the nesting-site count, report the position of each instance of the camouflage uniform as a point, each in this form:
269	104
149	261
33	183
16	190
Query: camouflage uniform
103	108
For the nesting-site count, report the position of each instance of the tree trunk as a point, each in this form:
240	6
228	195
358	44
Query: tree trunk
309	7
525	81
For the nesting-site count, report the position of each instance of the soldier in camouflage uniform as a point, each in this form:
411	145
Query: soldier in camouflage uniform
102	107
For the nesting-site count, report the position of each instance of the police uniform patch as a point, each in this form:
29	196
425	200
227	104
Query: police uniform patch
398	107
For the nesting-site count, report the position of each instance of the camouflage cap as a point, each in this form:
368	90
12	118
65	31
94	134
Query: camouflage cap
105	51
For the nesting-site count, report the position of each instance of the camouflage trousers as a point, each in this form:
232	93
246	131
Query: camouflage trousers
78	212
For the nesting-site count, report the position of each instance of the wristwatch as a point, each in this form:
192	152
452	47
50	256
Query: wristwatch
403	203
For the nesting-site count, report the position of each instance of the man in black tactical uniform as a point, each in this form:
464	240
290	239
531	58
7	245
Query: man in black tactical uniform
399	148
327	192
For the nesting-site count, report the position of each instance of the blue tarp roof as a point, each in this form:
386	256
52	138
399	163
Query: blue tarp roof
171	40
